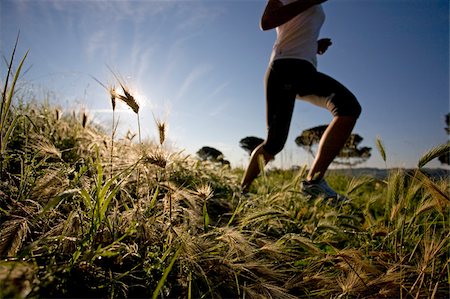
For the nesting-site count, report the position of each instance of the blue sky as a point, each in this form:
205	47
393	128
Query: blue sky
199	65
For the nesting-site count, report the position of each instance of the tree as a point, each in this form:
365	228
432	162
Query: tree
445	159
207	153
309	138
250	143
351	154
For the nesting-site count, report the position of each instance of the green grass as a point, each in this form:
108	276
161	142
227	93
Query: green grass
82	218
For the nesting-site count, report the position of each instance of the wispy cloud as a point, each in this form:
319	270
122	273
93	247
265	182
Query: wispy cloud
135	35
218	109
196	15
197	73
217	106
99	43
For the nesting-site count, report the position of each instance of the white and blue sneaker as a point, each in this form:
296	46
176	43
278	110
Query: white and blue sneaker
320	188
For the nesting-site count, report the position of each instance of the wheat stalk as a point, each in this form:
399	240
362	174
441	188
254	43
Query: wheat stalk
5	128
127	98
161	126
84	119
381	149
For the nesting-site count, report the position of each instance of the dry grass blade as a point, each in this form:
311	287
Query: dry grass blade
440	196
278	250
7	96
431	247
6	129
356	183
12	235
264	289
302	242
395	211
112	92
237	243
45	147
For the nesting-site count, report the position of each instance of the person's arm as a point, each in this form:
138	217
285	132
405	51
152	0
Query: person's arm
276	14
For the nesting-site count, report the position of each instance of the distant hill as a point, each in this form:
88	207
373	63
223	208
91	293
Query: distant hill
381	173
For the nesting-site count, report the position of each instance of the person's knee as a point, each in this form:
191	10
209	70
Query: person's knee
271	149
357	110
351	108
261	151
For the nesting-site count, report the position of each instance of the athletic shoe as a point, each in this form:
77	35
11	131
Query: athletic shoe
320	188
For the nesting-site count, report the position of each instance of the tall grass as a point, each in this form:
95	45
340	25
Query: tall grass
165	225
8	119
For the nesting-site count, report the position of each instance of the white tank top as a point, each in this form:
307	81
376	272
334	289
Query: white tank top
297	38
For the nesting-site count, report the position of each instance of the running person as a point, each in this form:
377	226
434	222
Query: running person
292	73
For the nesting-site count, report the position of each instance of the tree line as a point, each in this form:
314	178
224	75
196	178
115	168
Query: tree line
351	154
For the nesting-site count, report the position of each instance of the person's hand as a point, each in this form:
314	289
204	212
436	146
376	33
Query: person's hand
322	45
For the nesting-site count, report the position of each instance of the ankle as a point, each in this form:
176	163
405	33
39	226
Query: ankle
314	175
314	179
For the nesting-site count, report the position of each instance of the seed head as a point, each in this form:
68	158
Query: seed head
129	99
113	95
158	159
161	125
84	119
57	114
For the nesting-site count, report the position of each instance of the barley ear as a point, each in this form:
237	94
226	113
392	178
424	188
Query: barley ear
129	100
113	95
161	126
380	147
84	119
58	114
156	159
440	150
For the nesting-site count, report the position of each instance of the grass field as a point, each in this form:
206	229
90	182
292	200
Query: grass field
86	214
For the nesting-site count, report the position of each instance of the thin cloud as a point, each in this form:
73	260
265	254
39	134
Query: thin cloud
195	15
218	109
193	76
99	44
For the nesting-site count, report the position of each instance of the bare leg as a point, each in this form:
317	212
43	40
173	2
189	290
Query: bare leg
253	168
331	144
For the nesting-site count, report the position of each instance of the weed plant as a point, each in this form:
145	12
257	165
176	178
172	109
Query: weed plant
83	216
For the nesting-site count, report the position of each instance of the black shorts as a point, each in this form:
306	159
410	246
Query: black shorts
288	79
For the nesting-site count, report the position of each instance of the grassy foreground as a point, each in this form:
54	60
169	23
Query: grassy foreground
81	216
